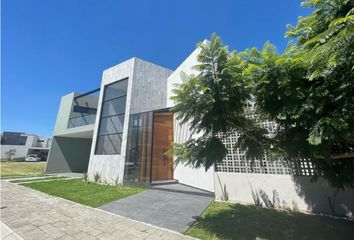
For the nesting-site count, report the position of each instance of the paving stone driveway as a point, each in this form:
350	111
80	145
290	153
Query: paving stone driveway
35	215
172	206
6	233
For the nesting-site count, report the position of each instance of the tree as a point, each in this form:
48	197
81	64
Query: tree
307	90
10	154
213	102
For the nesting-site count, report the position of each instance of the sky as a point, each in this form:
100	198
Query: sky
50	48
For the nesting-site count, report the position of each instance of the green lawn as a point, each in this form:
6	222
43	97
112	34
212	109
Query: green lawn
22	168
235	221
82	192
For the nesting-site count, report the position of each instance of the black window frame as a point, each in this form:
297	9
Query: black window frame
84	110
98	134
101	112
112	99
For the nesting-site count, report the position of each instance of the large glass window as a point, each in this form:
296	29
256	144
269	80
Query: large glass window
113	107
138	156
110	130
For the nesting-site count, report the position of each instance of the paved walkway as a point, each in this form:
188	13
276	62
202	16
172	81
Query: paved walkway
35	215
7	233
172	206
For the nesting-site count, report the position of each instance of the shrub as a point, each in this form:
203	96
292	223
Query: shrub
97	177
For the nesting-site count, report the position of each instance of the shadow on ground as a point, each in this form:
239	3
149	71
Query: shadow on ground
235	221
172	206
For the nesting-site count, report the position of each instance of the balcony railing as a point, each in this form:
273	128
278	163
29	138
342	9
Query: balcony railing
82	120
84	109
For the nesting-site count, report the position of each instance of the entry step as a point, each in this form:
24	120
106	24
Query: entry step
163	182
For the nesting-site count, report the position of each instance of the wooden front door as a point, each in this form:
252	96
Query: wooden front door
162	165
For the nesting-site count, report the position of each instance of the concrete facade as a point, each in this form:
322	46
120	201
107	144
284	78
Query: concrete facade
65	113
149	89
70	151
145	92
111	167
70	154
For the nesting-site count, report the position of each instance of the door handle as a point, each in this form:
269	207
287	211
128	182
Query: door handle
164	157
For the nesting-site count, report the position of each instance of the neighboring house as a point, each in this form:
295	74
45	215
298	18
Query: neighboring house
24	144
122	130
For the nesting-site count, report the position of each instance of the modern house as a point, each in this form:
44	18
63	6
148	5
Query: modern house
24	144
122	130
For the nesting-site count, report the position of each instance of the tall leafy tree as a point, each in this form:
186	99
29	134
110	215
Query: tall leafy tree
211	102
307	90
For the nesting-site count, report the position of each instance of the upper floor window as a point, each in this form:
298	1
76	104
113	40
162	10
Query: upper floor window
110	132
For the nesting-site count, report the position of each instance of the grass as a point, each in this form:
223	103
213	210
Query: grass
37	179
236	221
90	194
22	168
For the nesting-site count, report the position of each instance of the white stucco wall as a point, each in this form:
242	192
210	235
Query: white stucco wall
21	150
297	193
198	178
186	68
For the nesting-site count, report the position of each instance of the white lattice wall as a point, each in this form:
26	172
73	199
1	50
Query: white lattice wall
236	162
